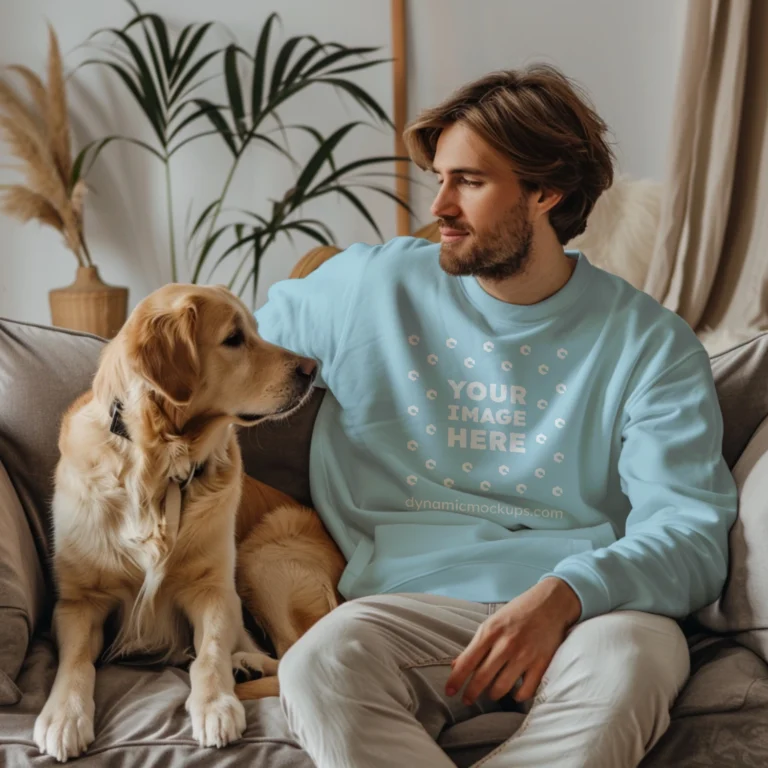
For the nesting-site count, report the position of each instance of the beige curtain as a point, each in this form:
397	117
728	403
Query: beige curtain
710	262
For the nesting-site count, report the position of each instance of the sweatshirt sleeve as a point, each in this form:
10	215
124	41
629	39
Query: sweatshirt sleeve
673	558
309	315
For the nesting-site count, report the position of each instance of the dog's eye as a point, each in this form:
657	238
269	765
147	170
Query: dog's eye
235	339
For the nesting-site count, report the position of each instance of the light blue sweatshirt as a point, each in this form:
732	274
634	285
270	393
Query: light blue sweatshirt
470	447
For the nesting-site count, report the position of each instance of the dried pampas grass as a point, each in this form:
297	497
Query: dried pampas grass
39	138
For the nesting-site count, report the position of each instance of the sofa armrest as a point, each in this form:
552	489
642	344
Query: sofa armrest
312	259
21	588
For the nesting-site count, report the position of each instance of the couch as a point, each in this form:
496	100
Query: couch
720	718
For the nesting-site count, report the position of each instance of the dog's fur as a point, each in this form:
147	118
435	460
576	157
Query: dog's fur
187	367
288	568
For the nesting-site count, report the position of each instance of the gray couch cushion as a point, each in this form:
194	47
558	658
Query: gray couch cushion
720	719
21	588
740	375
140	720
43	371
277	452
742	608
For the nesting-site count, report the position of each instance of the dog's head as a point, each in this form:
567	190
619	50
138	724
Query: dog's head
199	348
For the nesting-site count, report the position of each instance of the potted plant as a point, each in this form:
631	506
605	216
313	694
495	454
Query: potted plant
162	72
54	193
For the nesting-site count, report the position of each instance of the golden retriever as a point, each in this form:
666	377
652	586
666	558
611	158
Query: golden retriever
147	492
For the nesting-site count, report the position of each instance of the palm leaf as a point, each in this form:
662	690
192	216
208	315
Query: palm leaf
316	223
303	62
160	69
309	231
272	143
234	90
345	169
356	202
332	58
190	139
177	110
260	219
241	265
181	88
317	136
364	99
236	246
93	149
201	219
178	48
281	63
160	29
321	155
190	118
387	193
150	109
150	101
213	113
206	249
182	59
260	66
358	67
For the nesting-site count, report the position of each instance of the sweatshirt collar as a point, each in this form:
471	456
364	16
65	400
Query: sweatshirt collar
512	314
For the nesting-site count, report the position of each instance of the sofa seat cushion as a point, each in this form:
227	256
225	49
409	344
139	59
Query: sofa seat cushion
469	741
141	720
720	718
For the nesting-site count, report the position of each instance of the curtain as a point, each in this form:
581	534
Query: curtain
710	262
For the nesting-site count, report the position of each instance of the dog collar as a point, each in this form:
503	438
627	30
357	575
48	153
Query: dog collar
117	427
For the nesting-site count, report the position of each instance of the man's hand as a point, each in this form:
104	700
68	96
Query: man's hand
520	639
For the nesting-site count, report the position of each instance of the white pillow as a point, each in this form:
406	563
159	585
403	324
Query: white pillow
621	230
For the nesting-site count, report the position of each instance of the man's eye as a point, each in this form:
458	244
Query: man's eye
469	182
235	339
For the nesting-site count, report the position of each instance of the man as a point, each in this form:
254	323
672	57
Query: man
518	454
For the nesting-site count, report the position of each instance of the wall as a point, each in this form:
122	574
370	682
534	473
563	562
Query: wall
625	53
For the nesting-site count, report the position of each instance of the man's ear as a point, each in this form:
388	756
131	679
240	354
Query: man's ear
547	199
166	352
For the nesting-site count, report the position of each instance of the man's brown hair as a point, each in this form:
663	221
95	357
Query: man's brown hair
544	123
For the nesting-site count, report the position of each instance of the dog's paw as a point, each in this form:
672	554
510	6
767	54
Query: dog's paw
217	721
63	730
249	665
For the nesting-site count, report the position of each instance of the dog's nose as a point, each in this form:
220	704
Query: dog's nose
306	367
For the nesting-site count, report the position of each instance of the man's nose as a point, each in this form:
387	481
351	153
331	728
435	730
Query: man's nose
444	206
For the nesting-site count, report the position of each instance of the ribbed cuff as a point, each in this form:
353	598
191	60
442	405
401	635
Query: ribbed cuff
588	586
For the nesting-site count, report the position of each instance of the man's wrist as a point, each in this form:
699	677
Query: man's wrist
566	597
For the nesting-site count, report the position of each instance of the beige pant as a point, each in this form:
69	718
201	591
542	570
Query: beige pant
364	688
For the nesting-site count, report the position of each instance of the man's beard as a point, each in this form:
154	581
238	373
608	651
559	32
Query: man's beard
493	256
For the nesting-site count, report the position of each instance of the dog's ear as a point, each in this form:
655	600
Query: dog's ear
166	351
